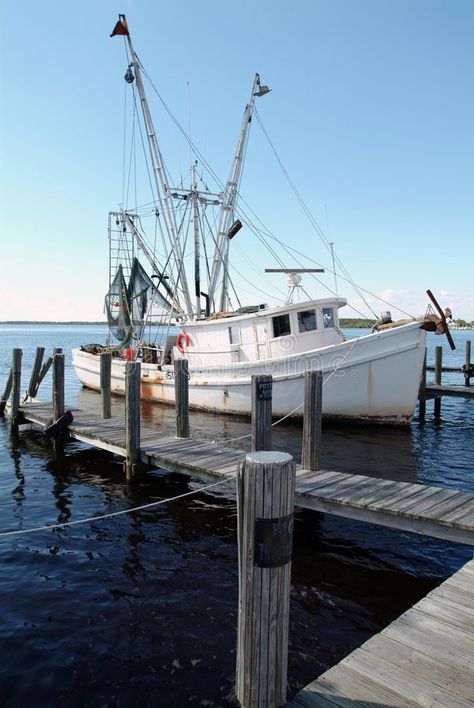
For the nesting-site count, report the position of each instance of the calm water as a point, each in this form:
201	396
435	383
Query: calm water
141	609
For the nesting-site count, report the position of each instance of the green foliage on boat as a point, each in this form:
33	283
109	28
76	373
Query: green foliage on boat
356	323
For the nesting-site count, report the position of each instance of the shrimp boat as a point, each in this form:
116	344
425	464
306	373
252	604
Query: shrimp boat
375	377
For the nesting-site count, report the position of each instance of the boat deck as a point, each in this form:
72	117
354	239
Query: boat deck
424	658
434	511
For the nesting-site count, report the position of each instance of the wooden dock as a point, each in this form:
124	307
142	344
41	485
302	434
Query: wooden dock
434	511
437	390
456	391
424	658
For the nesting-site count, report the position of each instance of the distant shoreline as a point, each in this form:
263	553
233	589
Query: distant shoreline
347	323
49	322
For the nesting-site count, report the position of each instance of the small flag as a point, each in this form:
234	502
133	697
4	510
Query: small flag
120	27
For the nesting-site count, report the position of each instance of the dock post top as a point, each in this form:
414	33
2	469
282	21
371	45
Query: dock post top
268	457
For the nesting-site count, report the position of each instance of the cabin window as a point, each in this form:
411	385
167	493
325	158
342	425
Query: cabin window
281	325
307	320
328	317
234	335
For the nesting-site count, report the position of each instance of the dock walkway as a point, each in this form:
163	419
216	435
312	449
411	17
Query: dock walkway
434	511
424	658
456	391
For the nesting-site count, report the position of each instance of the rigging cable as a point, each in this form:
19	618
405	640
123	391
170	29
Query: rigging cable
249	224
305	208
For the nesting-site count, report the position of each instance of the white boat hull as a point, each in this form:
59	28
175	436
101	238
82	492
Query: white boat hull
375	378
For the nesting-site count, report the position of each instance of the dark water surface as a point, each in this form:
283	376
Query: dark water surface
141	609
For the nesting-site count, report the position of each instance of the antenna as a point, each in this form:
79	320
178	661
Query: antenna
294	278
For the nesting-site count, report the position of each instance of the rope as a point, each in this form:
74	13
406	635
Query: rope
114	513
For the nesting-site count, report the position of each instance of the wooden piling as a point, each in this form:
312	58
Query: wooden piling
42	374
313	398
181	392
467	366
35	373
422	394
438	375
105	378
261	420
16	388
132	418
265	501
6	393
58	385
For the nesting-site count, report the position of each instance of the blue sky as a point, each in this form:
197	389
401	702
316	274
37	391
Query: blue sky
371	112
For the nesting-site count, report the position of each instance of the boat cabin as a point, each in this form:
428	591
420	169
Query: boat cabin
264	334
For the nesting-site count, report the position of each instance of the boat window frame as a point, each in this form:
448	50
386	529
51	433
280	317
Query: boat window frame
232	339
280	333
328	324
314	321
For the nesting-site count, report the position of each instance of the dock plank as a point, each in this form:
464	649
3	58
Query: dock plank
424	658
437	390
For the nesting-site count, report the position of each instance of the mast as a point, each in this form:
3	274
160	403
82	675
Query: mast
159	171
197	263
334	267
226	217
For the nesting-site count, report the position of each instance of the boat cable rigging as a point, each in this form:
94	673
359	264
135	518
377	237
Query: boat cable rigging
319	231
221	256
223	354
259	235
347	278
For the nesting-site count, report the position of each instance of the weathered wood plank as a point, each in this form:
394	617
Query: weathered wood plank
433	498
457	391
452	613
312	417
15	388
58	385
105	381
405	683
313	483
181	384
6	392
265	514
336	488
35	372
309	480
424	658
132	417
373	490
261	407
460	513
